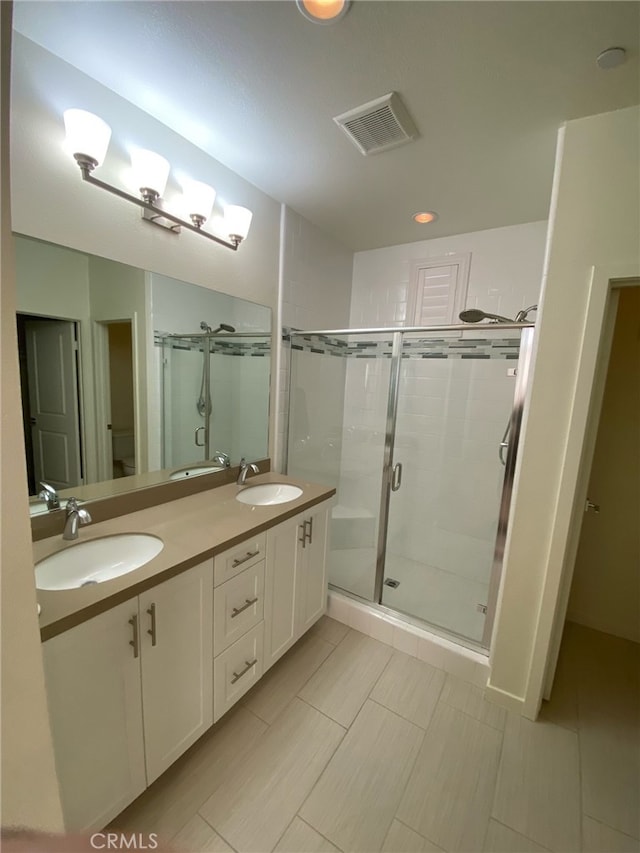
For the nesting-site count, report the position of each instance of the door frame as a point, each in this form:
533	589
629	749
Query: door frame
580	446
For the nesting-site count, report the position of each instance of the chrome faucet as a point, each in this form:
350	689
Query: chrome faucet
222	458
75	517
245	467
50	496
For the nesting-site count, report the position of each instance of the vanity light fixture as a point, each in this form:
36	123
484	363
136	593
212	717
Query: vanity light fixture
323	11
87	139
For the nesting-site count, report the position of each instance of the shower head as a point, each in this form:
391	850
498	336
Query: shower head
223	327
475	315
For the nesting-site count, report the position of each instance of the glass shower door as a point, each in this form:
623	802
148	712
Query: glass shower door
454	399
339	390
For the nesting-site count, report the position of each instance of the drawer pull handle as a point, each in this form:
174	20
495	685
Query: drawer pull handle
152	631
247	603
244	559
249	665
136	641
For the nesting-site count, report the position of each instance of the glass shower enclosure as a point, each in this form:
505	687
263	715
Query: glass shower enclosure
417	429
215	397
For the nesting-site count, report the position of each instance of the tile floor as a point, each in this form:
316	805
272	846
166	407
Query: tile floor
350	745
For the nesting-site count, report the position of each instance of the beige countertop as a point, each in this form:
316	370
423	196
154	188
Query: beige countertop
193	529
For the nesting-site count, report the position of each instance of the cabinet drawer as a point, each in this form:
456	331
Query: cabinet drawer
230	563
236	670
238	605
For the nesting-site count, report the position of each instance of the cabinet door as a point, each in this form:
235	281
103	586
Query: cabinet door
281	578
312	573
177	665
95	708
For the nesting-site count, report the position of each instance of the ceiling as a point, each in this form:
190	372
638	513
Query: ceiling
255	85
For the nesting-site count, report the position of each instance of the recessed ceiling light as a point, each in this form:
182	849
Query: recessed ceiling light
425	216
323	11
611	57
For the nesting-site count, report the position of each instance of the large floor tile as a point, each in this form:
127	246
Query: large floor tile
610	753
198	837
401	839
329	630
177	795
356	798
343	682
449	795
538	790
502	839
302	838
258	797
598	838
409	687
470	699
280	684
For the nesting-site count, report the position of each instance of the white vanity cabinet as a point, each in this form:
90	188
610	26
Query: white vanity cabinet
128	692
295	579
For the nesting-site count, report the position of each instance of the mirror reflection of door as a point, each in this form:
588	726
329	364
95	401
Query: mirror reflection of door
121	396
49	376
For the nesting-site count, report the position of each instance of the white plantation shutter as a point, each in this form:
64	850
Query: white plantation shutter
439	289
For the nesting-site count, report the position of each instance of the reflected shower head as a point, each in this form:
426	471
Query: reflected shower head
475	315
223	327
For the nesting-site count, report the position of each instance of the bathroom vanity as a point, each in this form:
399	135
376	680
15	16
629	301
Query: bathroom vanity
139	667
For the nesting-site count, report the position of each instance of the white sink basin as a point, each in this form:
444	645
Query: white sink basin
267	494
97	560
194	471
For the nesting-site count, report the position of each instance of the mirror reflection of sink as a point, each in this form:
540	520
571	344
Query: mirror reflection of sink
96	560
194	471
267	494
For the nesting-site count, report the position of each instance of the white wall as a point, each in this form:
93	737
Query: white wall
29	785
504	275
594	230
605	593
315	293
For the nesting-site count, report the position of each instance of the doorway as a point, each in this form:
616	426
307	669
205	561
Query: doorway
49	371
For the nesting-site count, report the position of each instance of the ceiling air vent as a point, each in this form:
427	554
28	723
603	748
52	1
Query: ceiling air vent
378	125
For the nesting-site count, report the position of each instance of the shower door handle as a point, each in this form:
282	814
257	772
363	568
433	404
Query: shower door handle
504	444
396	477
195	436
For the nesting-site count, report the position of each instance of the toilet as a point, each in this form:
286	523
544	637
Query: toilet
123	447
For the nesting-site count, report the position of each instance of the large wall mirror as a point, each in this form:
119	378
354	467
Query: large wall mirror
131	378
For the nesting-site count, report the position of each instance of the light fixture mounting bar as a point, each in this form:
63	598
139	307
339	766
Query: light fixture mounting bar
151	213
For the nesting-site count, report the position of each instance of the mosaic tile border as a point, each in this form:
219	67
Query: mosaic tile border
476	348
258	348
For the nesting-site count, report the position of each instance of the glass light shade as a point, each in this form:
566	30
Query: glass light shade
323	11
237	221
150	170
86	134
198	198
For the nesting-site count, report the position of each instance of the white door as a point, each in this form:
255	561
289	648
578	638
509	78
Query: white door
53	399
312	585
95	707
280	593
176	620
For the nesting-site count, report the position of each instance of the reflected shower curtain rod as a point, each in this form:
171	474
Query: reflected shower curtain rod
186	335
384	330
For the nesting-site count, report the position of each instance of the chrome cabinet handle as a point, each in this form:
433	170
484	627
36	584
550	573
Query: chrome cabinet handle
152	631
195	436
249	665
244	559
310	534
136	639
396	477
247	603
303	538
